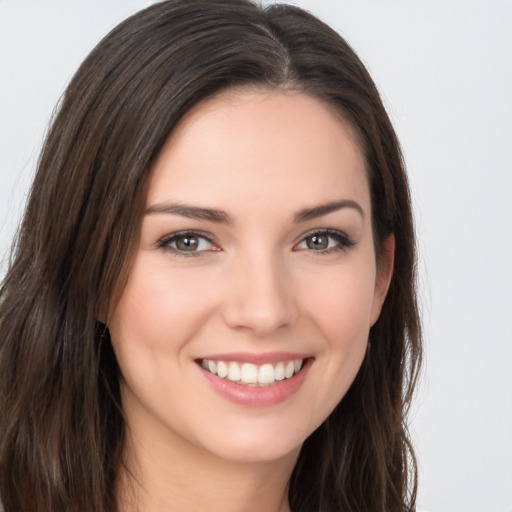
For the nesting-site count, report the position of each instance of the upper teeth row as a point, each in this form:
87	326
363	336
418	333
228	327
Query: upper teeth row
249	373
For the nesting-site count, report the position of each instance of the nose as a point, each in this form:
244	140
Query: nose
259	297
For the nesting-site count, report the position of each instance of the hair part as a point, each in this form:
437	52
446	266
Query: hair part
62	430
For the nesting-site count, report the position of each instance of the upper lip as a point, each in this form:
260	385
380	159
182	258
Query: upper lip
259	358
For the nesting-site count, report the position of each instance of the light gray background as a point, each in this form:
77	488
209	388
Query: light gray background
444	68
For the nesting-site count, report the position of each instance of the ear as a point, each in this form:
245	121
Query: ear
383	278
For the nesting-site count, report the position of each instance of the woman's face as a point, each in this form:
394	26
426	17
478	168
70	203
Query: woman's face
256	258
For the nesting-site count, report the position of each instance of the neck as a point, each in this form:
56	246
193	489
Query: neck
176	476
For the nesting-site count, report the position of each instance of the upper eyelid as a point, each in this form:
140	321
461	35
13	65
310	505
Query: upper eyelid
212	239
194	232
327	231
346	242
164	242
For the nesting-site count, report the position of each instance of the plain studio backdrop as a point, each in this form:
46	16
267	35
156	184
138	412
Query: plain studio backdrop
444	69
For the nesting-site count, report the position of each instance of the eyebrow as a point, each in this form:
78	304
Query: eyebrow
324	209
191	212
221	217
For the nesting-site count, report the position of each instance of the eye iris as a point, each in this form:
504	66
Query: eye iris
317	242
187	243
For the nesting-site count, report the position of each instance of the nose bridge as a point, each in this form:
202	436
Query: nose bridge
260	298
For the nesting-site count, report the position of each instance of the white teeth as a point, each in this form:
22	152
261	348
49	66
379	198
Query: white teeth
212	367
266	374
222	369
289	369
279	371
234	372
248	373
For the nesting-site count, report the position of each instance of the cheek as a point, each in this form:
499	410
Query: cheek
340	303
157	309
340	310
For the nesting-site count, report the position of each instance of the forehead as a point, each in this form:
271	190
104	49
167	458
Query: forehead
257	149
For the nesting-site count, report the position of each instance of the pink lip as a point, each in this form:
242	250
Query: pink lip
258	396
262	358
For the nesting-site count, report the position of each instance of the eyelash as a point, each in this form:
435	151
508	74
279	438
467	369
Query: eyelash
343	242
165	243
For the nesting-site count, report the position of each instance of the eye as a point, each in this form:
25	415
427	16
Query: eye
325	241
187	243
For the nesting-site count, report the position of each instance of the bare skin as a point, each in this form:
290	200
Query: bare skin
256	250
201	482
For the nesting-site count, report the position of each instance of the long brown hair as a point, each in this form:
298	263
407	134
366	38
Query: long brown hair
61	420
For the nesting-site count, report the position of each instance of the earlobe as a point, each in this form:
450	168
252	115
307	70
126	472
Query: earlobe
383	277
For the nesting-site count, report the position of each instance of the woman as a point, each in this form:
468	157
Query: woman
211	302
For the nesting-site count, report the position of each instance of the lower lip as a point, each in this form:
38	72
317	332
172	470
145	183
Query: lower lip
256	396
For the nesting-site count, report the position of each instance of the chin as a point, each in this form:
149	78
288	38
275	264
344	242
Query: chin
258	453
262	442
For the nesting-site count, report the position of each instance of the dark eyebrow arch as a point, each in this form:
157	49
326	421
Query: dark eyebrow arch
324	209
191	212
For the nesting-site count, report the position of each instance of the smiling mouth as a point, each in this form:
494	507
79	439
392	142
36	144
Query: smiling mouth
249	374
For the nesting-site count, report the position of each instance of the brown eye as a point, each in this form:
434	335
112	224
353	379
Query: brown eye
317	242
325	241
187	243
